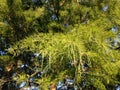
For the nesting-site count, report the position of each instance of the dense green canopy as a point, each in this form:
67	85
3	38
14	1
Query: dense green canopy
74	38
